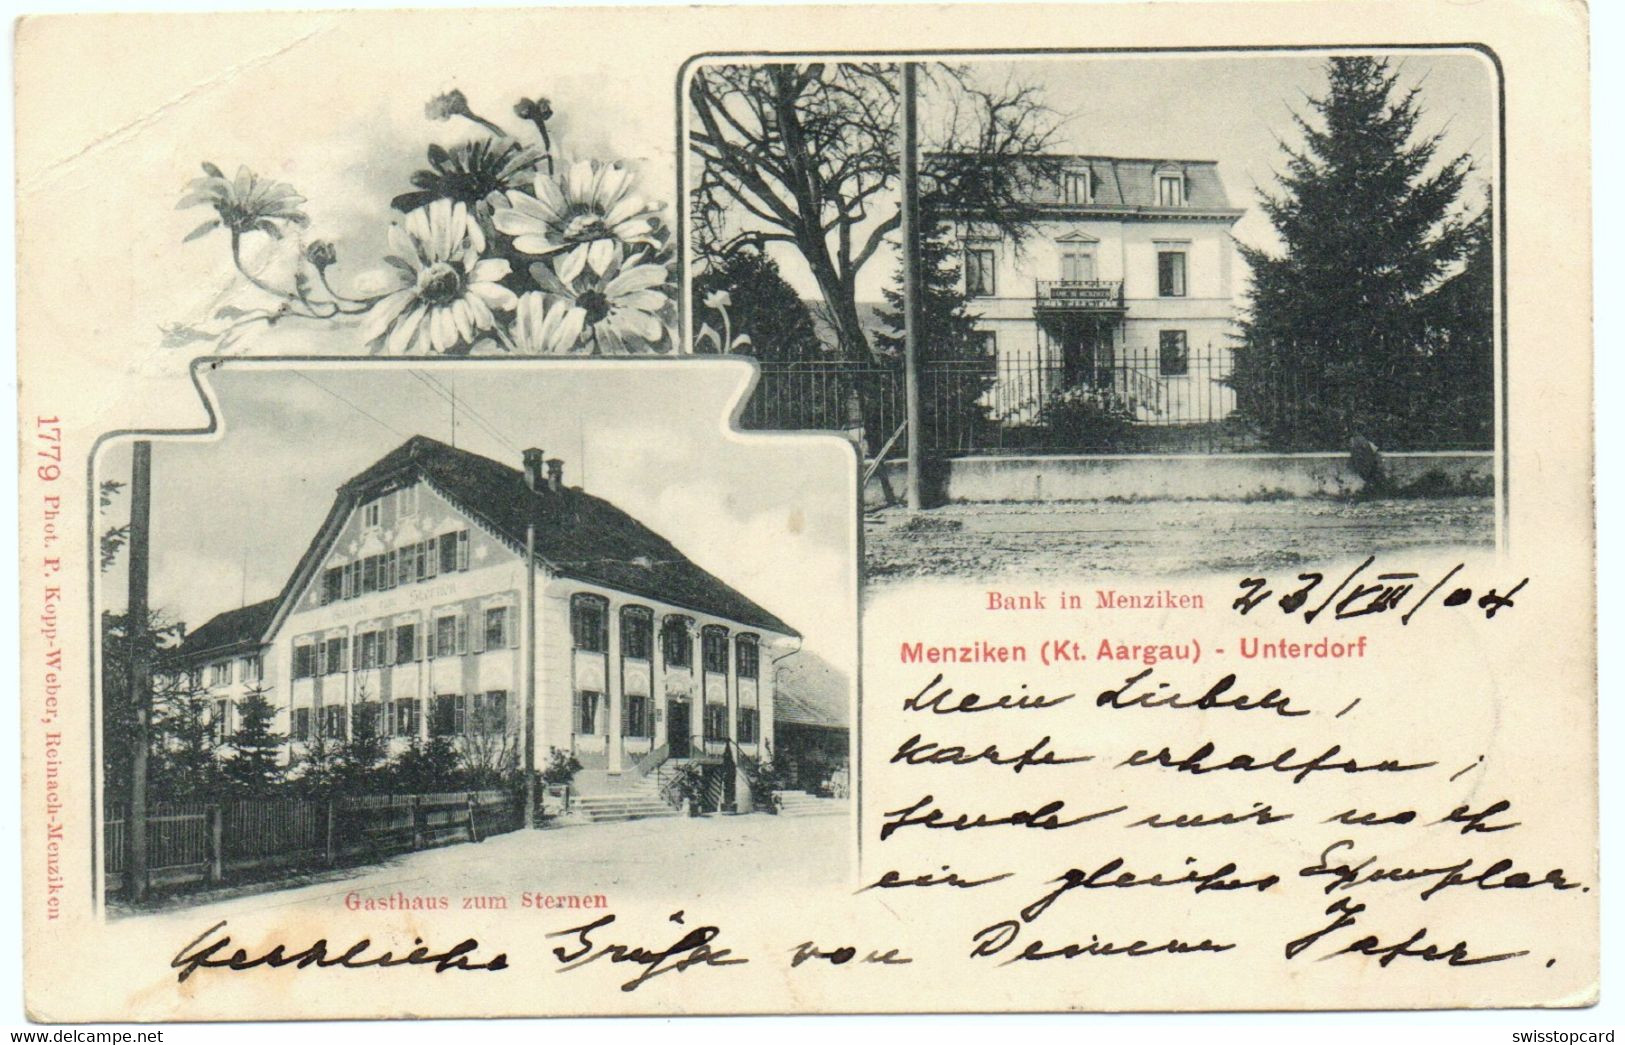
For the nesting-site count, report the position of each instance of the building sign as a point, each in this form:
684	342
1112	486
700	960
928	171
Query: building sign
1080	294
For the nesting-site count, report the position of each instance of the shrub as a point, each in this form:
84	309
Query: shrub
1086	418
561	768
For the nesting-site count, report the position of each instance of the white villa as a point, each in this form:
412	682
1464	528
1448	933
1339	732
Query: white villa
1132	270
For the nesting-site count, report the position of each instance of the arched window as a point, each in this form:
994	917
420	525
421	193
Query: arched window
676	645
589	622
637	632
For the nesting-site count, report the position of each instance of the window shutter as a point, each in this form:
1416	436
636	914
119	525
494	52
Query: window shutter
478	637
429	558
321	658
418	631
462	549
513	627
575	711
459	714
462	632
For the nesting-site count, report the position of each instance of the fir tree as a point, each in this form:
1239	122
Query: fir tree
952	413
361	756
427	767
254	767
185	758
118	702
1335	345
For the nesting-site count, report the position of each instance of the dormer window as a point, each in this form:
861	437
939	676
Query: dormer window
1170	190
1075	188
372	515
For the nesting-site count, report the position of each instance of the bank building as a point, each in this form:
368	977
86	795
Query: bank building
1125	284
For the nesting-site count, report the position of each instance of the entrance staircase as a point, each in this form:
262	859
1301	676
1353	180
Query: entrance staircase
800	803
624	797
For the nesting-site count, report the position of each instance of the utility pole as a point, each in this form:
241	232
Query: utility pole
529	623
912	319
135	628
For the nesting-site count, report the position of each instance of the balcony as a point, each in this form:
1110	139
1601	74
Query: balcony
1079	295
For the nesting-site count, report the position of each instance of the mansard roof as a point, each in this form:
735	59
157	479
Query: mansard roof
1129	184
228	631
577	535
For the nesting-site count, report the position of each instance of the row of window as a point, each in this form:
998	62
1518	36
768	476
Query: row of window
637	718
589	631
1077	187
982	276
224	672
494	628
422	561
449	715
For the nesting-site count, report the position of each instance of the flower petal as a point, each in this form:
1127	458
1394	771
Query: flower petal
543	245
640	323
511	221
613	181
489	271
638	277
645	300
494	294
578	181
464	319
569	329
400	338
480	311
442	329
385	312
570	265
544	276
601	254
550	199
403	246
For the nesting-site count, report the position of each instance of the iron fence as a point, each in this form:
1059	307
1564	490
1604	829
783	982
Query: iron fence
1154	401
1169	399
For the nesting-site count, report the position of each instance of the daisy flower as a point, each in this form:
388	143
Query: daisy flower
246	203
450	290
579	218
545	325
616	314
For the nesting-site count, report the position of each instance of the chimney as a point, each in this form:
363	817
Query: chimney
555	474
533	468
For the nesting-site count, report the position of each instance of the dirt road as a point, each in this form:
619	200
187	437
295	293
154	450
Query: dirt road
1160	538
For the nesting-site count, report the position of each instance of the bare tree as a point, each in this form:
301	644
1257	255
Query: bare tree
807	155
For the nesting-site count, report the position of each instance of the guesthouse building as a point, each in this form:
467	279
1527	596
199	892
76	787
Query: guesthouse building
443	586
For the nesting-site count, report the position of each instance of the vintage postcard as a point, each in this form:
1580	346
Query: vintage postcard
807	510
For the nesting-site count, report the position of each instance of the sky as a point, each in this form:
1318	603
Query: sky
774	516
1236	110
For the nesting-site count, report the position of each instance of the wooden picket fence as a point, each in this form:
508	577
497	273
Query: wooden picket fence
221	841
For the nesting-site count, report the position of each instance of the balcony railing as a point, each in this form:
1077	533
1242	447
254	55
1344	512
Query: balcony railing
1079	294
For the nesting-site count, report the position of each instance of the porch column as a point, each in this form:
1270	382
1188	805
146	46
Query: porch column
731	687
612	688
696	671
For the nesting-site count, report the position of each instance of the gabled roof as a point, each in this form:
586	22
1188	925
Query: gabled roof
228	631
809	691
577	535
